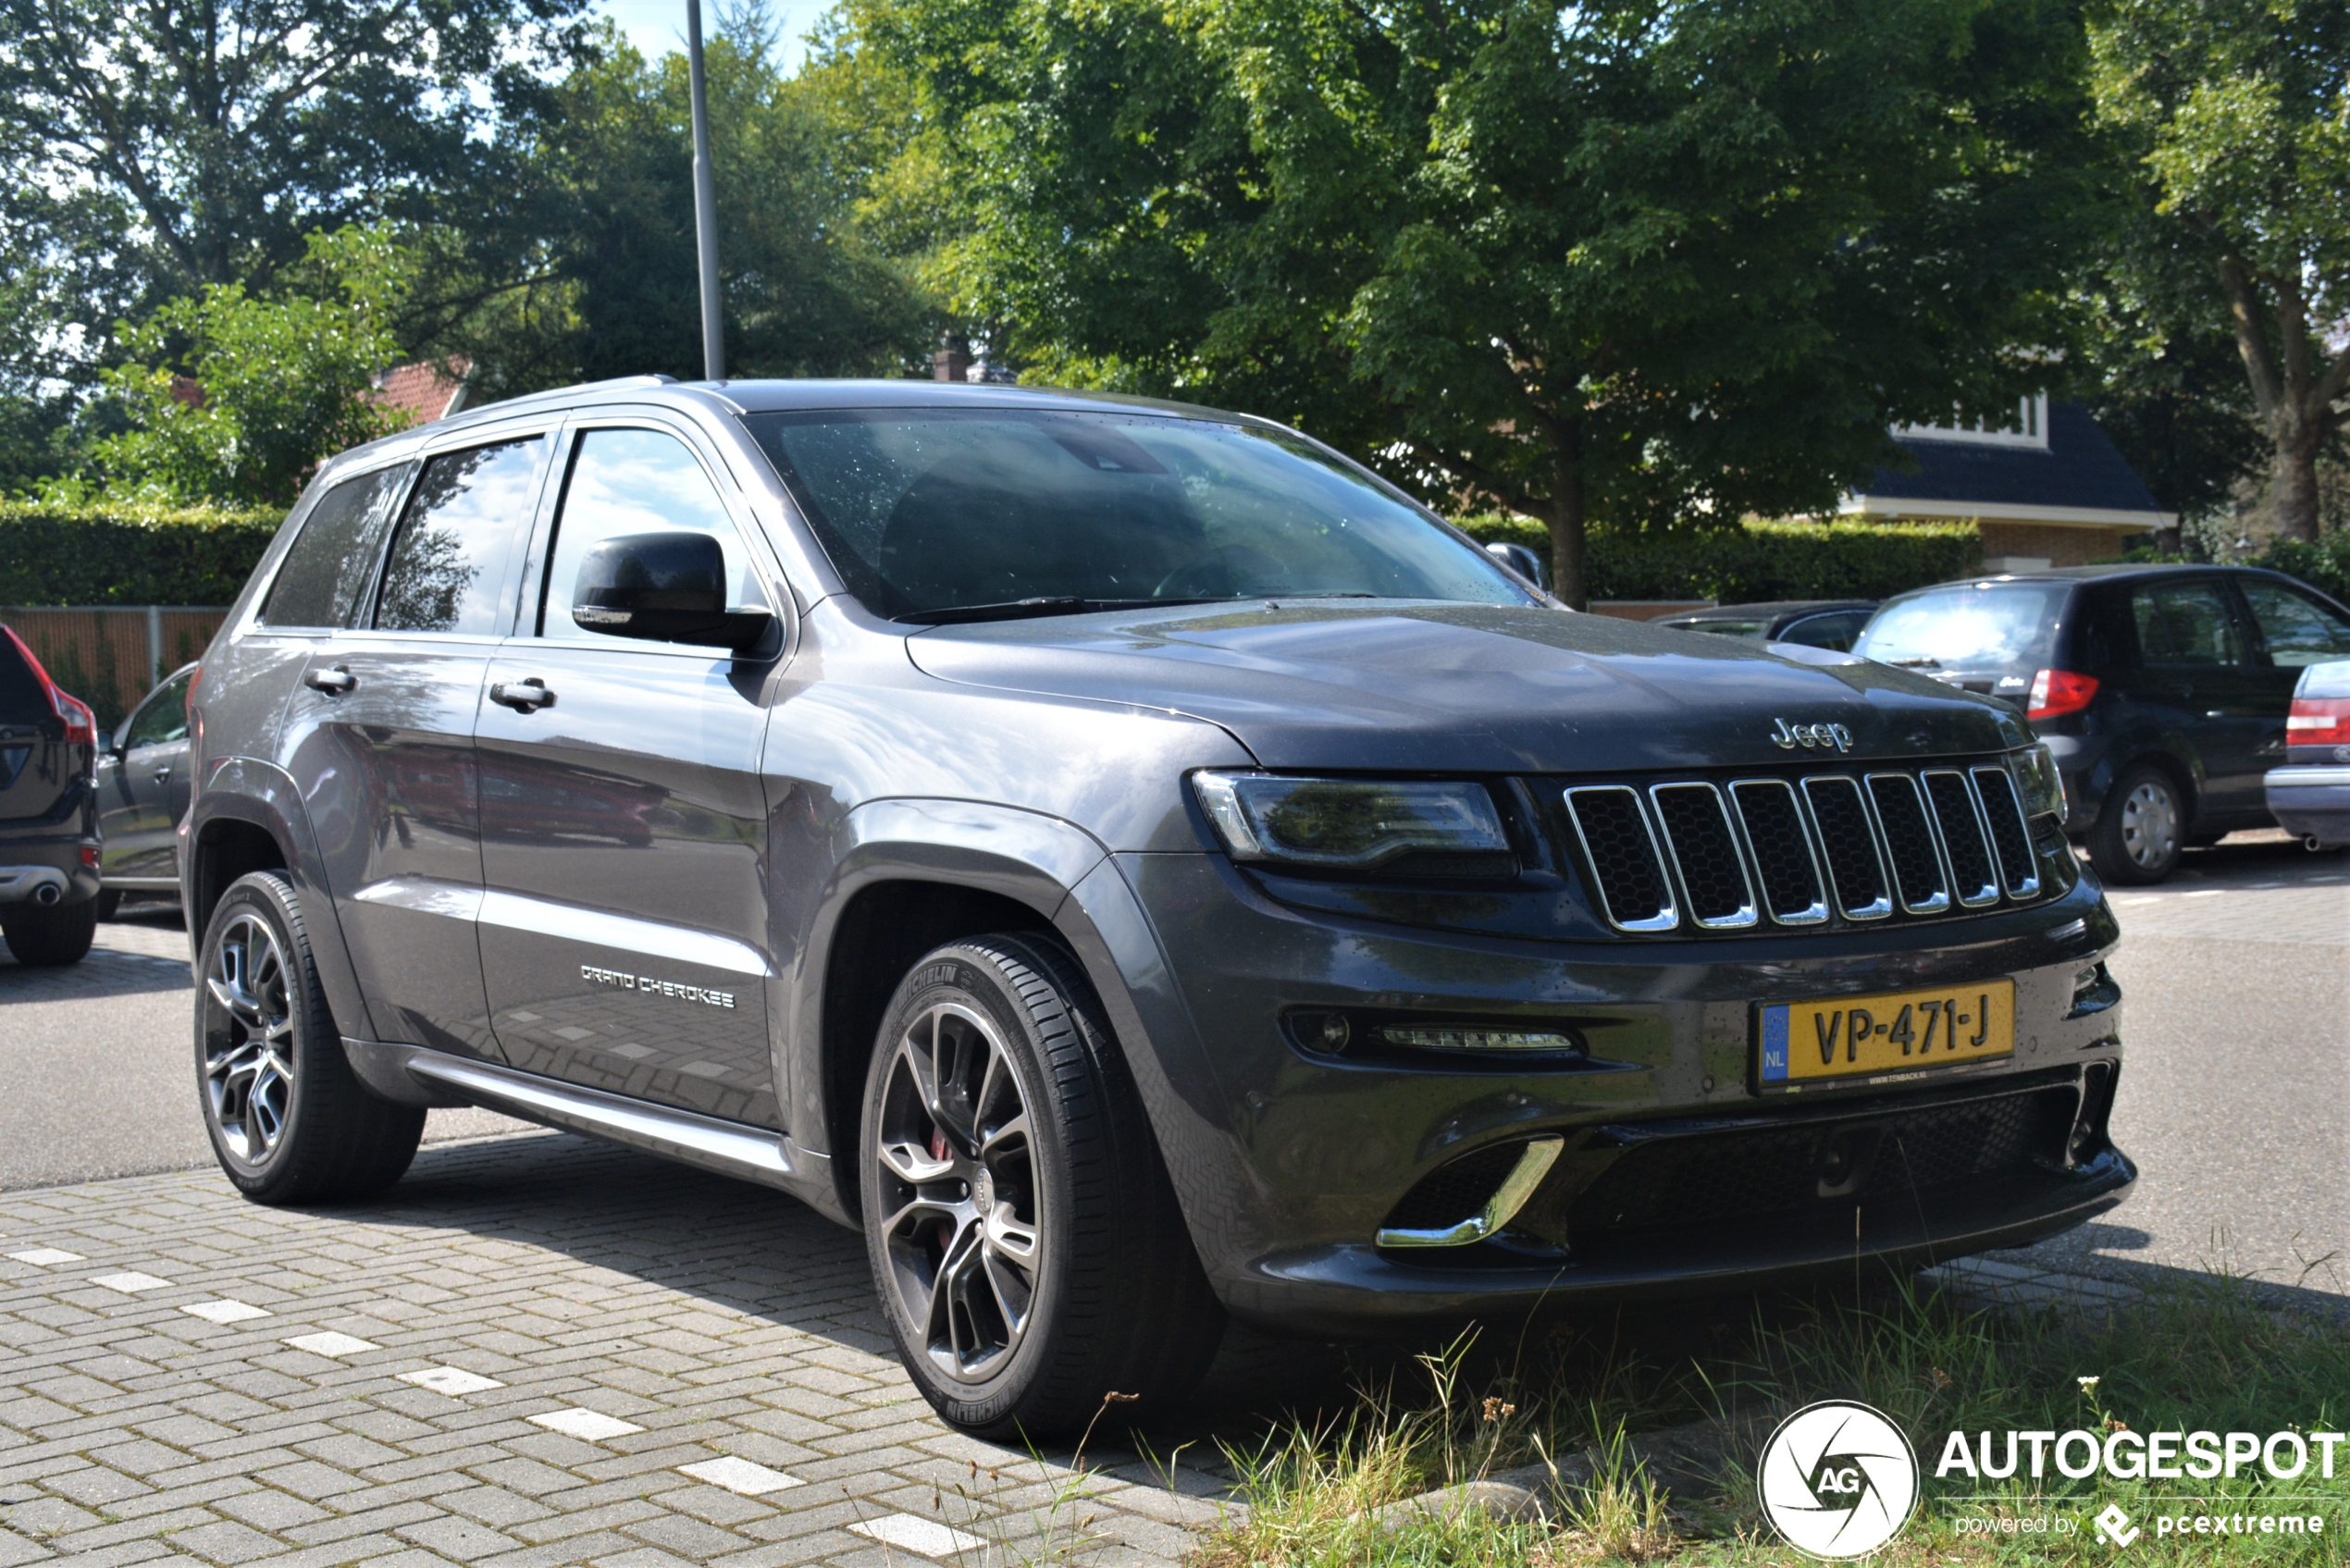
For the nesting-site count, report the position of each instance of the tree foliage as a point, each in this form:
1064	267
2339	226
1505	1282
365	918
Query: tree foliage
1643	260
239	396
2240	113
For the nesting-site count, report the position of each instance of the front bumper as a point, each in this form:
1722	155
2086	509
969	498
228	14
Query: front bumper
2312	802
1291	1160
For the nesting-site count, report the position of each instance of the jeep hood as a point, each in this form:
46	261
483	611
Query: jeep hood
1455	687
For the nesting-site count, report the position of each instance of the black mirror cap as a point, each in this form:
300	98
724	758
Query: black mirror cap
664	587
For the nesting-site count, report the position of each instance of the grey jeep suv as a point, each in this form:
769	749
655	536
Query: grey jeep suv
1126	859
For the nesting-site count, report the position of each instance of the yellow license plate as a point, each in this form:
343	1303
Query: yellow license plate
1893	1031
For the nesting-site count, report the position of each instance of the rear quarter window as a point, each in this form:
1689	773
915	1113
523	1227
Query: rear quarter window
332	563
23	701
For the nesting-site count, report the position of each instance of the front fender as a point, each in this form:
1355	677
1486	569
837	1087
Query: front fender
246	789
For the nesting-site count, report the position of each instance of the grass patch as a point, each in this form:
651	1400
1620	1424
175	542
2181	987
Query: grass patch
2204	1357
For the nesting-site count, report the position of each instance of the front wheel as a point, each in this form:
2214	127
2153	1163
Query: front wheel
290	1121
2142	830
1023	1232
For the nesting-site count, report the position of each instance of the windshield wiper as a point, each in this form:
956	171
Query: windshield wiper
1022	609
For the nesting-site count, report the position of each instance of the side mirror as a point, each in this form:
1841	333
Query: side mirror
664	587
1523	561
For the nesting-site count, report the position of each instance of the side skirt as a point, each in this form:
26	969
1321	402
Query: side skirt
413	1075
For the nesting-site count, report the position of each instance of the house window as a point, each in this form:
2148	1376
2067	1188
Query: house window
2028	429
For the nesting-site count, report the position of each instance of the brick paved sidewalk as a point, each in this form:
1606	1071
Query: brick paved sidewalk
535	1350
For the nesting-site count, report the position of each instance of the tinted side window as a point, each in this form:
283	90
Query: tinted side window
1835	630
2185	624
332	563
22	698
162	718
635	482
456	541
2298	630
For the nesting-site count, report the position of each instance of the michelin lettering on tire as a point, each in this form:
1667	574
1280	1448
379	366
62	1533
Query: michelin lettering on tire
1838	1480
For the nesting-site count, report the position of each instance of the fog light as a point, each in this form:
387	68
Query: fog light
1336	1033
1551	1041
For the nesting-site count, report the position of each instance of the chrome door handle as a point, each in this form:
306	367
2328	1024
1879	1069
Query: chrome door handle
333	682
524	696
162	774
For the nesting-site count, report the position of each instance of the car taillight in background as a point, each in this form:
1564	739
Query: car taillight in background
2318	720
2057	692
82	725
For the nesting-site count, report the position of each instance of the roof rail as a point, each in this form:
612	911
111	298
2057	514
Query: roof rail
615	384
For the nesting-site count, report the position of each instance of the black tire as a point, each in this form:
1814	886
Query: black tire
109	904
1115	1301
43	938
289	1120
2142	828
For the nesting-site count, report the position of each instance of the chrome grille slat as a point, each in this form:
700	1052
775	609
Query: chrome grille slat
1847	834
1966	838
2003	813
1621	850
1779	843
1907	836
1706	855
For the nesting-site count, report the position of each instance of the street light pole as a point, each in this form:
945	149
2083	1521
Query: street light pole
713	338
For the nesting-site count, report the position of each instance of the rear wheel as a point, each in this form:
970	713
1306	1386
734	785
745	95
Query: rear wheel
59	934
290	1122
1023	1232
2142	830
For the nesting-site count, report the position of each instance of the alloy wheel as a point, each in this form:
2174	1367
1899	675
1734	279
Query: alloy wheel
249	1038
2150	825
962	1202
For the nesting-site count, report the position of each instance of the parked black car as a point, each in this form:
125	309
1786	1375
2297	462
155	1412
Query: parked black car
1128	860
1812	622
142	792
48	813
2162	690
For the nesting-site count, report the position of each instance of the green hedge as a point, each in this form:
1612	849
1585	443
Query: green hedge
108	554
2325	565
1757	561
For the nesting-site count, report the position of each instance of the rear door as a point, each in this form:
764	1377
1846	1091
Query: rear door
379	732
2196	673
143	790
623	929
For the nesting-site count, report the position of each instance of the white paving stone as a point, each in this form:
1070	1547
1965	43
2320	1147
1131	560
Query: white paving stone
451	1380
130	1282
331	1343
593	1425
225	1311
739	1476
46	1257
927	1536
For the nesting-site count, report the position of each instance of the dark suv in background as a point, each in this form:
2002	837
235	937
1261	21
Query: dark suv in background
2162	690
1127	861
48	813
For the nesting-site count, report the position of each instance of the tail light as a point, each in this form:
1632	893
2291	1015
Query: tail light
82	725
2057	692
2318	720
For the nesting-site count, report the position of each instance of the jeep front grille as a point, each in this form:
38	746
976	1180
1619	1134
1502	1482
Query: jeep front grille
1682	853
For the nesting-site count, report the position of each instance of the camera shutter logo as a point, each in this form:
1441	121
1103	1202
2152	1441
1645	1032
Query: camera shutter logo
1838	1480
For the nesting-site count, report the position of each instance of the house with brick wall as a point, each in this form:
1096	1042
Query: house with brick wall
2048	489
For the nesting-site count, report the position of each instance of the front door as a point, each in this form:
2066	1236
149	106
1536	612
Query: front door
623	825
380	734
143	791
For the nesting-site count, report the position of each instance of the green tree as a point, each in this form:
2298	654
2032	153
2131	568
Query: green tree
604	218
2240	111
242	396
1639	261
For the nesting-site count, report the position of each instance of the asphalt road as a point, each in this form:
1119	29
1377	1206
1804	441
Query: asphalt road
2236	1099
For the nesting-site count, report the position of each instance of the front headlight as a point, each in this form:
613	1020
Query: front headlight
1347	824
2042	785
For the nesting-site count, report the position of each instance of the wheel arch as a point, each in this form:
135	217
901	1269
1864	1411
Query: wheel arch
249	816
914	875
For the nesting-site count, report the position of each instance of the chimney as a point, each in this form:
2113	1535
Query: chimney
953	361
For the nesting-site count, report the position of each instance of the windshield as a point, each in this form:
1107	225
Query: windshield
926	512
1972	627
